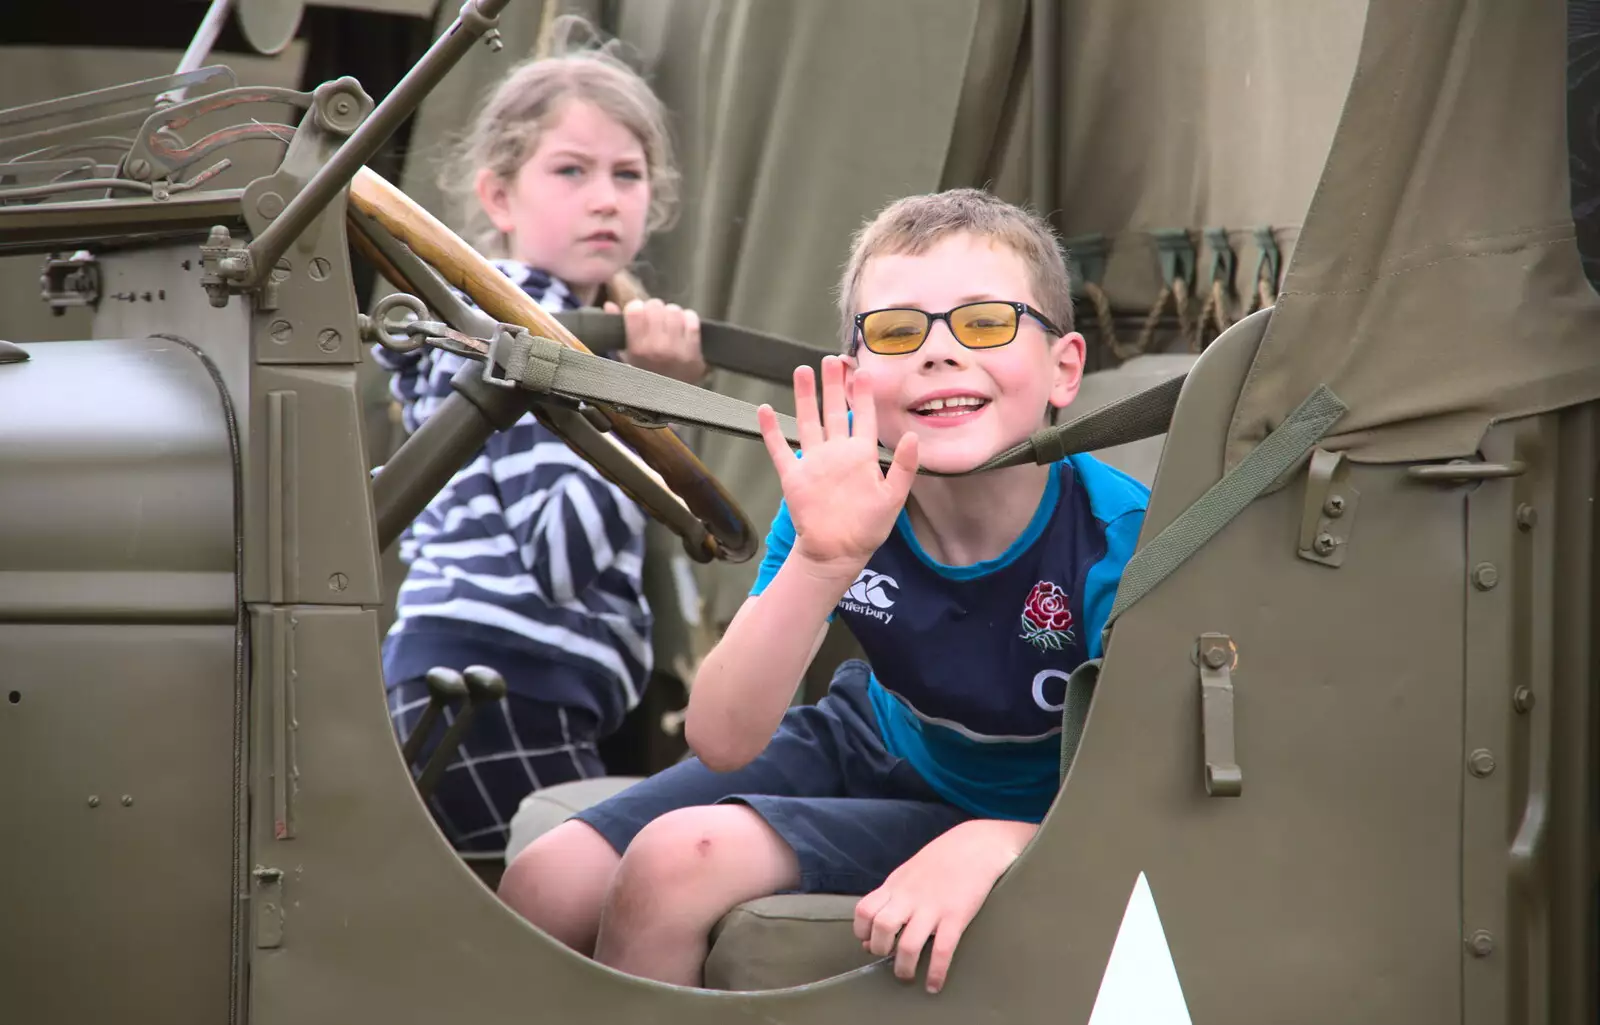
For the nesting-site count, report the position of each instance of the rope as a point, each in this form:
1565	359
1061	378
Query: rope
1103	315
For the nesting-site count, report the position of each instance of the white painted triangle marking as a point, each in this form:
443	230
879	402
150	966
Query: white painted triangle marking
1140	986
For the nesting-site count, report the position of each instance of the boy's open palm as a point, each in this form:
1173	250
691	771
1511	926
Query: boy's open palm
842	503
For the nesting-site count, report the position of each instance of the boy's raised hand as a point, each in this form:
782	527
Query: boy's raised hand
842	503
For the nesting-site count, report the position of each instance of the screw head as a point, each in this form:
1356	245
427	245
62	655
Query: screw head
320	269
1481	944
1522	699
139	169
1480	762
1324	544
328	339
338	582
281	331
270	205
127	800
1485	576
94	801
1334	506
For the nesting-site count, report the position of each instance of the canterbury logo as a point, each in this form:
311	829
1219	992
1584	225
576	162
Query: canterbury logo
874	589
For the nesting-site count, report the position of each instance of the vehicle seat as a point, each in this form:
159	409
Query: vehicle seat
783	941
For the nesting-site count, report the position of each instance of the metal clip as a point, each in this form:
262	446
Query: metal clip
1175	248
1217	657
70	281
1329	512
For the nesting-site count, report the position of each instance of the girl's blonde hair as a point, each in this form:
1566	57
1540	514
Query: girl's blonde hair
507	129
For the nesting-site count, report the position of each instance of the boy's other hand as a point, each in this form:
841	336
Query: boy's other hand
936	894
842	503
663	338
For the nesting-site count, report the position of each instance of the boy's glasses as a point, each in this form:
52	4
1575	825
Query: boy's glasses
983	325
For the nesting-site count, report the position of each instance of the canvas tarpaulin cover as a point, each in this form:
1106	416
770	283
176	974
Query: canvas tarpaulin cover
1437	286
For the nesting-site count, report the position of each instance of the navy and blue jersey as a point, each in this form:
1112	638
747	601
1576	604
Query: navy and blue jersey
970	663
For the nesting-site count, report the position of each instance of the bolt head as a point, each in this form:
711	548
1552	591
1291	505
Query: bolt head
1216	656
1522	699
1527	516
1480	762
1481	944
1485	576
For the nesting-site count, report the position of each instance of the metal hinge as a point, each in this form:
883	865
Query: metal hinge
269	906
1329	512
1218	657
68	281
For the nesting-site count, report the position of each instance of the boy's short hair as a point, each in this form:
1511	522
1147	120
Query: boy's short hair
914	224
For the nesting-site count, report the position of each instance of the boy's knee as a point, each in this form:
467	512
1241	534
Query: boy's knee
564	872
677	849
696	860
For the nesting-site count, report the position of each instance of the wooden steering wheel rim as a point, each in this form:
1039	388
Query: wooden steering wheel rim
730	535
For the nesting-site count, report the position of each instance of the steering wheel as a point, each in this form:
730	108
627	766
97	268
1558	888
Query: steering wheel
674	486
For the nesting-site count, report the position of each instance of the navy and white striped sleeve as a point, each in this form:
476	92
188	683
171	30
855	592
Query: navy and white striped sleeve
569	523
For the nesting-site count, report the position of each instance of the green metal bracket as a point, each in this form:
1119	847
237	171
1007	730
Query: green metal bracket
1270	259
1175	247
1223	259
1086	260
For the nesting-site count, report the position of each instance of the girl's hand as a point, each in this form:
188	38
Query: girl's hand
663	338
842	503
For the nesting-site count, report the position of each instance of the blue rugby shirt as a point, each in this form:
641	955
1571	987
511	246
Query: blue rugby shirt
527	560
970	662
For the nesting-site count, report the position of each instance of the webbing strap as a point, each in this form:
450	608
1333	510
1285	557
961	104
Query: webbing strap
1196	525
768	357
547	366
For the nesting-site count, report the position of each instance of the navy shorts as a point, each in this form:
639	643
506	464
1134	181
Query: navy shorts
851	811
512	748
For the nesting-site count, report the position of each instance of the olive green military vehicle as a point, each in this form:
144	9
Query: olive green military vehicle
1338	763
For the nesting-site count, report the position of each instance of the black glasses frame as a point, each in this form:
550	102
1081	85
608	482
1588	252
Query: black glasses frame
859	337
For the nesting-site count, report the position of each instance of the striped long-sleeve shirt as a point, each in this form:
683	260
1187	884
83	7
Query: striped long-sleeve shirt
527	561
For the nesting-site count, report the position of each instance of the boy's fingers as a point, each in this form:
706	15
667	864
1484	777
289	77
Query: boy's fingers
835	418
611	307
867	909
866	414
886	926
902	472
912	939
805	408
944	950
778	448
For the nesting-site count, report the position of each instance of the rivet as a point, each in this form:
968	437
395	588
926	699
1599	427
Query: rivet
1485	576
1324	544
1481	944
1480	762
127	800
1334	506
270	205
1522	699
328	339
1527	516
94	801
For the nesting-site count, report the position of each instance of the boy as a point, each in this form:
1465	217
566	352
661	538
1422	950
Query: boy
918	781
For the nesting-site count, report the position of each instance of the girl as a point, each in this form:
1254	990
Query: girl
528	561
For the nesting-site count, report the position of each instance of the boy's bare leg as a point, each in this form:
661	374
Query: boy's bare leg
559	883
681	874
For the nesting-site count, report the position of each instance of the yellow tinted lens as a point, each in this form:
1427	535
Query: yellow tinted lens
984	325
888	332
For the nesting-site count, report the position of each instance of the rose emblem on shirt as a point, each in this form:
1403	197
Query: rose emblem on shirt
1047	617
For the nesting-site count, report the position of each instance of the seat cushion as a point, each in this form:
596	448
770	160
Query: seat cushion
768	943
